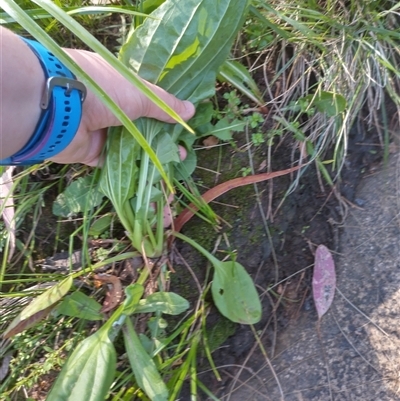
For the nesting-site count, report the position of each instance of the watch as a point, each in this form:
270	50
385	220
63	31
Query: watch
61	106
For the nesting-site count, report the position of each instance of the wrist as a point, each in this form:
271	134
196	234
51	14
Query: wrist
61	111
20	93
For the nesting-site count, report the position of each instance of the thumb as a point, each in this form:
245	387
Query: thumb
147	108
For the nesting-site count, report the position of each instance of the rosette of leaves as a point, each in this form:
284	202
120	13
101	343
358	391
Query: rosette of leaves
181	49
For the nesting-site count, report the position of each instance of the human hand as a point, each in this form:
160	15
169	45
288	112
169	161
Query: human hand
88	143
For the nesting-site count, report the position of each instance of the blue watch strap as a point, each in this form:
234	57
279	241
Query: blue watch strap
61	111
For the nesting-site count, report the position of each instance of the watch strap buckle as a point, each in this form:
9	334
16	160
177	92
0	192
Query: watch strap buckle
68	84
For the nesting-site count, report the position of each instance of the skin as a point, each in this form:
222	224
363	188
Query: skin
21	87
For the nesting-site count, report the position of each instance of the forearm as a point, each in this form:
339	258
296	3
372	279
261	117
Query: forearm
21	86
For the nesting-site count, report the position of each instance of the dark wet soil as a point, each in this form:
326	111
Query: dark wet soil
277	252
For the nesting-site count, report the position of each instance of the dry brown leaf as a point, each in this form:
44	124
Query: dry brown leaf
220	189
210	142
114	291
262	166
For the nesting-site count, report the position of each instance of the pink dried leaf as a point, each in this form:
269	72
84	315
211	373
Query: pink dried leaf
7	206
324	280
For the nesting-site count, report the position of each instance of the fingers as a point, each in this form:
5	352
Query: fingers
125	94
184	109
88	143
86	148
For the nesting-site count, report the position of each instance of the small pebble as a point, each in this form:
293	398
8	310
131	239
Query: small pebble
359	202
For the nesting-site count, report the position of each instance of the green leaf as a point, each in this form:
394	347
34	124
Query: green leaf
80	305
144	368
181	49
327	102
238	76
204	114
151	5
224	129
101	225
184	51
234	293
79	196
133	294
41	303
120	173
186	168
164	302
89	371
167	150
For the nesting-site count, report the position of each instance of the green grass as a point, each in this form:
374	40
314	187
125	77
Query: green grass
301	49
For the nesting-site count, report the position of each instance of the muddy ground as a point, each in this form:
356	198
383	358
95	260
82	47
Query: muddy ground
278	254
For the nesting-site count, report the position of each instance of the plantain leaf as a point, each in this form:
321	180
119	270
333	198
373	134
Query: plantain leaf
133	294
164	302
143	366
78	196
39	307
233	290
183	50
80	305
180	49
120	174
234	293
89	371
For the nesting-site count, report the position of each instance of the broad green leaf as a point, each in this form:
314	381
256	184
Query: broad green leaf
186	168
234	293
233	290
167	150
96	46
122	165
133	294
164	302
144	368
204	114
181	49
224	129
327	102
120	174
89	371
238	76
41	303
80	305
101	225
79	196
151	5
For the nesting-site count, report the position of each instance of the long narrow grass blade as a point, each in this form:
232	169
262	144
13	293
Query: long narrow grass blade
39	13
238	76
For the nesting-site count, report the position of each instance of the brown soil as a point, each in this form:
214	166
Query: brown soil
277	253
